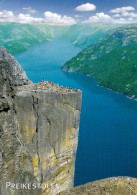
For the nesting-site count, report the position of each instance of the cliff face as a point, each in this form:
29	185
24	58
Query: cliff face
39	126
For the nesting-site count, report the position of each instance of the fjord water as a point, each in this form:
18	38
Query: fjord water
108	129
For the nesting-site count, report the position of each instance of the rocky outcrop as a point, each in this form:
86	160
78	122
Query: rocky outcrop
14	69
39	126
110	186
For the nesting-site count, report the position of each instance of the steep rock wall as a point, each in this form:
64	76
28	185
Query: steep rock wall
38	132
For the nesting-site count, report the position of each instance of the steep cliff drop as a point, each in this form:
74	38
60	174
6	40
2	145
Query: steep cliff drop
39	125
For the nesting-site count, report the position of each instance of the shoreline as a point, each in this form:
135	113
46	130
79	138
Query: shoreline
131	98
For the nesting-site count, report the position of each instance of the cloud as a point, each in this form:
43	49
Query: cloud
57	19
123	12
99	17
117	15
27	18
63	20
122	9
6	16
86	7
125	20
48	18
131	14
9	16
29	10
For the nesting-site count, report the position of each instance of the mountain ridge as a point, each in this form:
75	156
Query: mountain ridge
111	61
18	37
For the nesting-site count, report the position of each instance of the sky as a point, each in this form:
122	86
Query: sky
68	12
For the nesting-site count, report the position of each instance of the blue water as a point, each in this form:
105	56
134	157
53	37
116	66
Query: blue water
108	129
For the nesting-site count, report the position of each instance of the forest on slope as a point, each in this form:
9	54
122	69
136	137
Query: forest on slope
112	60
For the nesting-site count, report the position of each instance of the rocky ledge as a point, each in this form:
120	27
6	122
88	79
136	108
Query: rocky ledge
39	125
110	186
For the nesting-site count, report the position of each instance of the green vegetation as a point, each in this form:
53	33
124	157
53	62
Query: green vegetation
112	61
18	37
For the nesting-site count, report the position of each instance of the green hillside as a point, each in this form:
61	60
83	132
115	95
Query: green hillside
18	37
112	61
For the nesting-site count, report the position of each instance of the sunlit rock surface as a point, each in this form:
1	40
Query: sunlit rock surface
110	186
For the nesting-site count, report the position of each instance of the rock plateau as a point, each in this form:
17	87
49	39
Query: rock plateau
39	126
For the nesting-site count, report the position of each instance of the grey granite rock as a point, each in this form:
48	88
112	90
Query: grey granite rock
15	68
39	126
109	186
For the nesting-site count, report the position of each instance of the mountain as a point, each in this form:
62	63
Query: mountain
83	35
112	60
39	125
18	37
